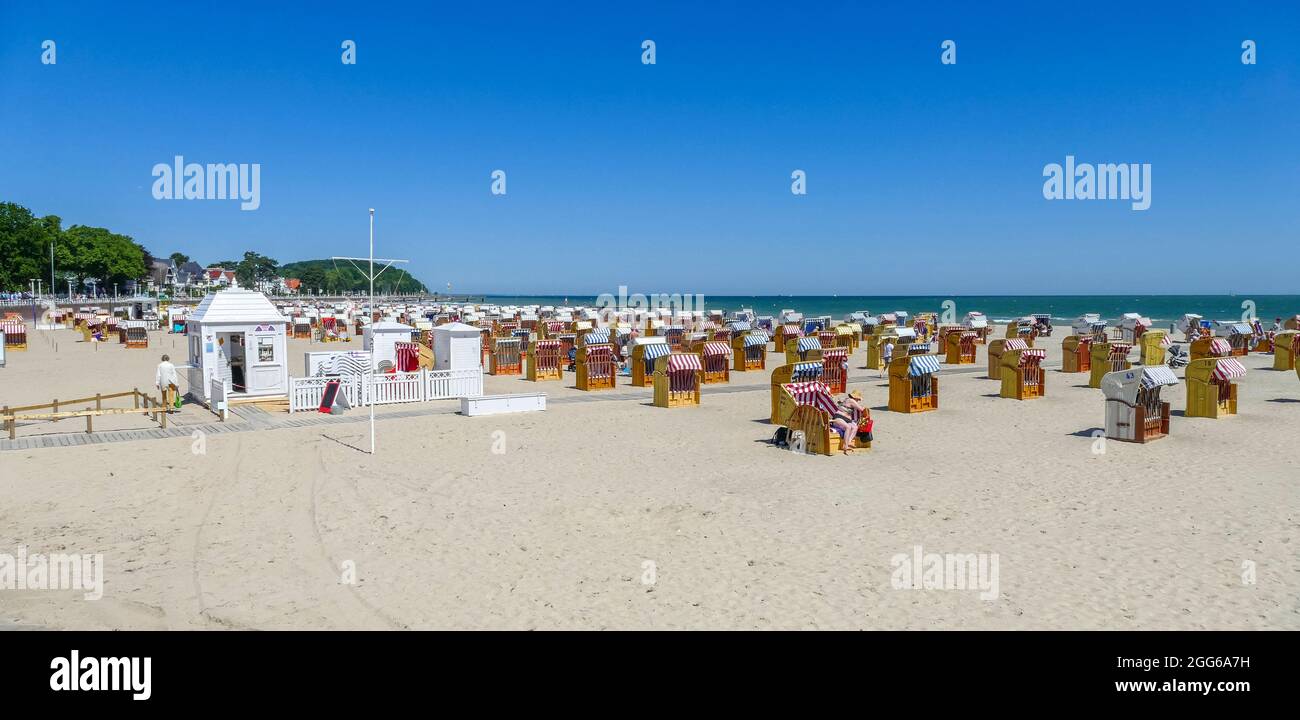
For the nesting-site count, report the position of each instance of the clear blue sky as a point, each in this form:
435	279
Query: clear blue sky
922	178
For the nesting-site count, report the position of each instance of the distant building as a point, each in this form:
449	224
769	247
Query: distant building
191	275
220	277
162	273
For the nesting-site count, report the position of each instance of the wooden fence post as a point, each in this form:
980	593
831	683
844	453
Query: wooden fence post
135	395
89	427
99	401
9	423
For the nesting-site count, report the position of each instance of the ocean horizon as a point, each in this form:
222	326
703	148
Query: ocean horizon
998	308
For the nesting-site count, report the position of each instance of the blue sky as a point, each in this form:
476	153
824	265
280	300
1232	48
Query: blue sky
675	177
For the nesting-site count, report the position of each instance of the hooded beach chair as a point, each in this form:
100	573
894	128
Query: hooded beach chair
1208	347
803	349
997	348
1212	386
1286	346
913	383
15	331
716	358
1022	374
545	361
1135	411
835	369
782	403
645	351
506	357
596	368
1107	357
750	350
961	347
677	380
814	408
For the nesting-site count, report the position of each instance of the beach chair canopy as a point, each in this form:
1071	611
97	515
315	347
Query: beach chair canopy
813	393
596	336
739	326
835	354
1120	349
791	329
889	318
922	365
905	333
1219	347
844	330
1123	385
1032	356
1015	344
712	349
755	338
1228	369
1158	375
547	345
650	340
678	362
809	343
656	350
804	371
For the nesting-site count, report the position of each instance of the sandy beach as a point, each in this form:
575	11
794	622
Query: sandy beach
606	512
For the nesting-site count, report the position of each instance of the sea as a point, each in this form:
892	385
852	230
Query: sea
998	308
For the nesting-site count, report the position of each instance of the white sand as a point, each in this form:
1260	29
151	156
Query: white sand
554	532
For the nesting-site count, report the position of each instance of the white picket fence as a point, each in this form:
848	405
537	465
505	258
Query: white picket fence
388	388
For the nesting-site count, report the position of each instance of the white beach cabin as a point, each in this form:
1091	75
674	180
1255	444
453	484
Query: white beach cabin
457	346
381	338
239	337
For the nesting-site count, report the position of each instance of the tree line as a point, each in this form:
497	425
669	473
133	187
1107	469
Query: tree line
107	258
81	252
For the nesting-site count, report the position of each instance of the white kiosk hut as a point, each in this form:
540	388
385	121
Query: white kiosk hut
457	346
381	340
237	336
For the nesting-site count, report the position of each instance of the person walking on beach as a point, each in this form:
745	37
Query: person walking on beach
166	381
889	355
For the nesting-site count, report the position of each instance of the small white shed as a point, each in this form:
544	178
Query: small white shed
238	336
457	346
381	338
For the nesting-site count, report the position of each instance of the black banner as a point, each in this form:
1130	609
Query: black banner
958	671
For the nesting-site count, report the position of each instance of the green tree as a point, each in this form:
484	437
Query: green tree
179	258
102	254
313	279
254	268
25	246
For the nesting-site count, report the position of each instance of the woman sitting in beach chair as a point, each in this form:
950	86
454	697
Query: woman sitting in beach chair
828	425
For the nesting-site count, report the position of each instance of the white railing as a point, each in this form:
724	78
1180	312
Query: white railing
388	388
402	387
441	384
